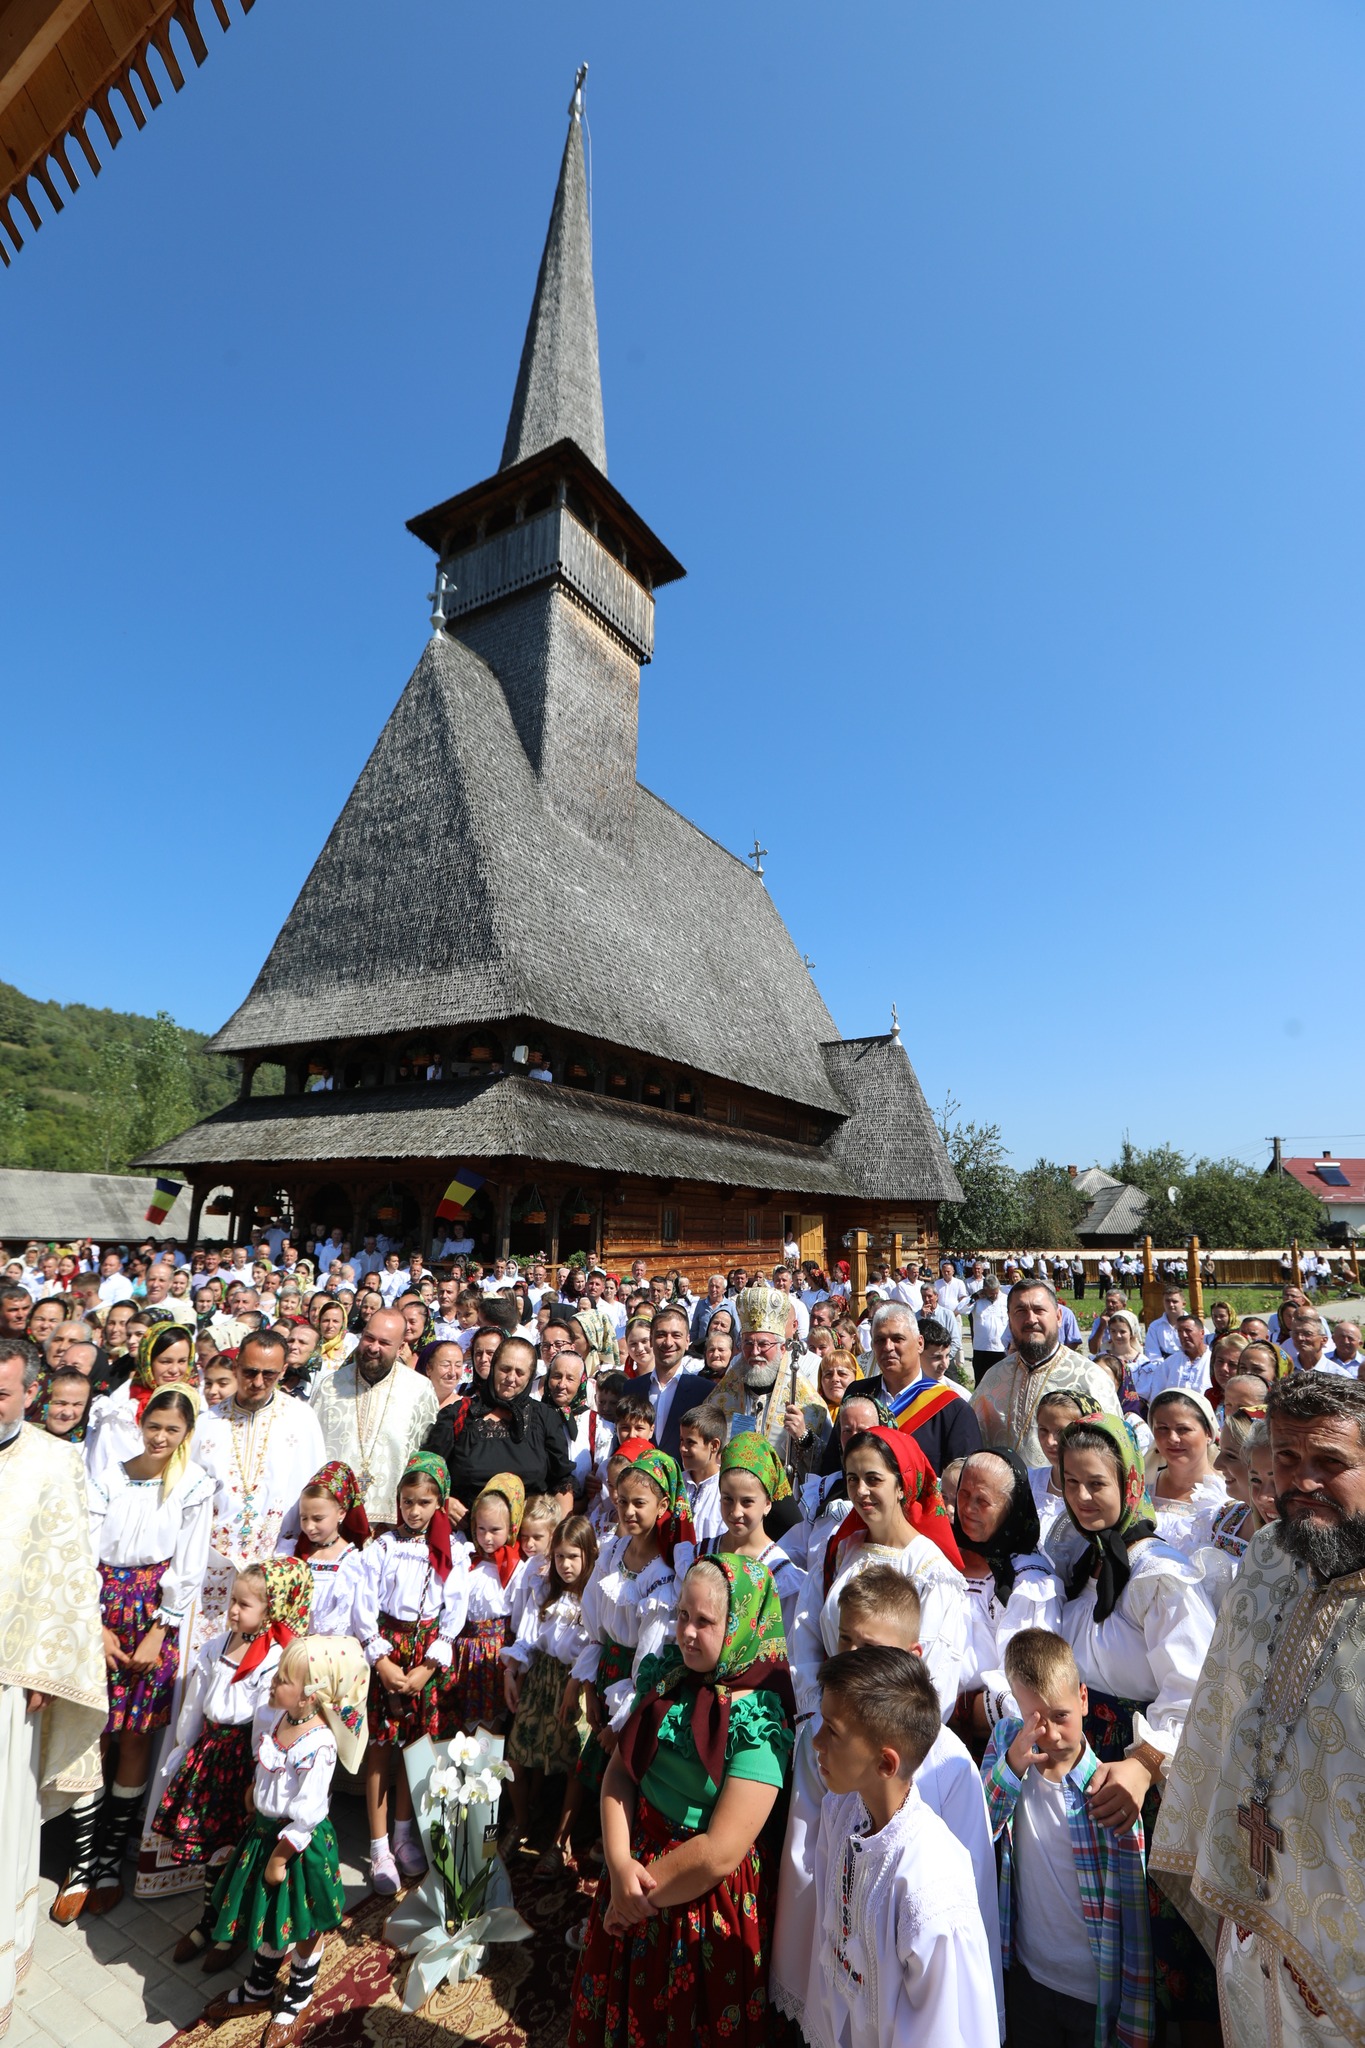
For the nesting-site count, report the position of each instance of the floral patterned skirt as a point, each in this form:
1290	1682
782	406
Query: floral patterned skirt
1186	1985
403	1717
203	1809
695	1973
473	1695
539	1741
129	1597
310	1901
612	1666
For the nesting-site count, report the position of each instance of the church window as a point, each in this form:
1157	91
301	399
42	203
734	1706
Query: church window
669	1226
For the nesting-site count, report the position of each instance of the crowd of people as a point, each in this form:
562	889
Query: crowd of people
886	1683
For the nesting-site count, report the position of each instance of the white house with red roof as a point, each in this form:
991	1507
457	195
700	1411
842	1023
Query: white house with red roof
1337	1183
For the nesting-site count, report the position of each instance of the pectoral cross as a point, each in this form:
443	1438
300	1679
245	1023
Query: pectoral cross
1263	1833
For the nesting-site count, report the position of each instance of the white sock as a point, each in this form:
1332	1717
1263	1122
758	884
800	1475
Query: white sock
379	1846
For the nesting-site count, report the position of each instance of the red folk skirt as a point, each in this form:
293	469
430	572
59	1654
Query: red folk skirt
129	1596
402	1717
203	1809
474	1697
695	1973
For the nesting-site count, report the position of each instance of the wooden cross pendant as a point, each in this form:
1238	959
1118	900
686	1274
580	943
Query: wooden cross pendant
1263	1833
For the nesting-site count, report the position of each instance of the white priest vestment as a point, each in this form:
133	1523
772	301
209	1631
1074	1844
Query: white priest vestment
1010	1393
261	1458
375	1429
1291	1959
50	1642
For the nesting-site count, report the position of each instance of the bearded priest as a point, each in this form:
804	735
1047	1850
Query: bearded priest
1263	1813
54	1697
773	1373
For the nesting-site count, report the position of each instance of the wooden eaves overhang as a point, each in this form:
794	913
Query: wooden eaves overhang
61	61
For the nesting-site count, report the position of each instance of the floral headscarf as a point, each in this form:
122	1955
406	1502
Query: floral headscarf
601	1335
340	1484
178	1463
750	1452
1018	1534
288	1609
506	1487
674	1525
151	1344
338	1684
1137	1516
426	1465
922	1506
753	1658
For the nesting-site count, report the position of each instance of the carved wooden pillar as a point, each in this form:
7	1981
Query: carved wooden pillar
858	1274
505	1218
1196	1280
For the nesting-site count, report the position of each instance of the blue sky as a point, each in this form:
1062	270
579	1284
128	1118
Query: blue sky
995	372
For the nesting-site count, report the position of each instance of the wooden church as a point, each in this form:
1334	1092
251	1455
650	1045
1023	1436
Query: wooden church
443	995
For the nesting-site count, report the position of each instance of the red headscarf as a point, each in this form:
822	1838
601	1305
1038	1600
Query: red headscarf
634	1447
922	1507
339	1482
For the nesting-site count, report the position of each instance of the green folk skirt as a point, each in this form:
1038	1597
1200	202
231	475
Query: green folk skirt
310	1901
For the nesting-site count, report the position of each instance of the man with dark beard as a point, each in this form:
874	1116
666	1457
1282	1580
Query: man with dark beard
1263	1813
1008	1395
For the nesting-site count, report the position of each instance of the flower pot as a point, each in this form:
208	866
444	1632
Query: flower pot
534	1216
580	1217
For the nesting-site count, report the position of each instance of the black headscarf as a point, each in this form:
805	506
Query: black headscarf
1137	1517
1017	1535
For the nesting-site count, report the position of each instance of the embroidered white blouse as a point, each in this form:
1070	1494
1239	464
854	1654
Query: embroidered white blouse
214	1693
1152	1647
943	1613
1188	1524
634	1609
335	1582
397	1578
130	1524
555	1629
487	1599
293	1785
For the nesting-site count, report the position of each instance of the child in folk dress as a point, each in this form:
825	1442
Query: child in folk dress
282	1891
409	1608
751	1477
603	1514
539	1688
332	1526
900	1952
150	1517
540	1517
217	1380
198	1800
474	1699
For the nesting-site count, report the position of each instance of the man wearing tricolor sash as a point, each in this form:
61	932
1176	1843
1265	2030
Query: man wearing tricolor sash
922	1401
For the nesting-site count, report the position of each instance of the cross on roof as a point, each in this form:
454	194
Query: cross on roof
757	856
437	599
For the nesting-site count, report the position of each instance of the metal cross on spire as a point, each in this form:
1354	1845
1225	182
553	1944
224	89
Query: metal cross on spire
758	855
437	600
895	1025
576	103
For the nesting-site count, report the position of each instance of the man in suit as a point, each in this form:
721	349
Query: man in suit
911	1381
672	1392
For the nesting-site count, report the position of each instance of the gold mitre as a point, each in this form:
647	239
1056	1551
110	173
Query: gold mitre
763	1308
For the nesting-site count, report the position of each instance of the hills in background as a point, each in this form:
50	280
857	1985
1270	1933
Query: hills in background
85	1090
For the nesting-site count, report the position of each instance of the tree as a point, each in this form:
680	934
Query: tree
13	1128
986	1215
165	1097
113	1102
1050	1206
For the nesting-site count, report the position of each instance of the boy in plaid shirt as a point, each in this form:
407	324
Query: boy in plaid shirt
1075	1926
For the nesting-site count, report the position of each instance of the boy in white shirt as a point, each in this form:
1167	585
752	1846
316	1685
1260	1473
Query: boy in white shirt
701	1438
900	1952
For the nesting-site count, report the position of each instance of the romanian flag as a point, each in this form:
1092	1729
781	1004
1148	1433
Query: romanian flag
458	1195
163	1201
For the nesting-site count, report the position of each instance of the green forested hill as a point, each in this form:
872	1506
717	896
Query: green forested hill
85	1090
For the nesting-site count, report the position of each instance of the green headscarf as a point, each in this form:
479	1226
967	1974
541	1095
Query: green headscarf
674	1525
426	1465
753	1658
1137	1516
751	1452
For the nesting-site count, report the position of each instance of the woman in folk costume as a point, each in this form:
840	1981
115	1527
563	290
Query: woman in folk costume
896	1518
149	1522
165	1358
196	1805
1186	1491
1139	1623
678	1940
751	1479
282	1890
333	1525
1011	1583
630	1597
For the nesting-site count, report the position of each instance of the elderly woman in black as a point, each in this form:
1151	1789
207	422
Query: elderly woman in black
497	1427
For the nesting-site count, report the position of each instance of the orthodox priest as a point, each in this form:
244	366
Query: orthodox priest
1009	1394
773	1373
1263	1814
53	1693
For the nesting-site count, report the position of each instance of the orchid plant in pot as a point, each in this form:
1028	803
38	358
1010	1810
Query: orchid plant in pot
465	1900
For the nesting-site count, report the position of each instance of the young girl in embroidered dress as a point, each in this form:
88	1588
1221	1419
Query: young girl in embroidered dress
409	1608
752	1477
539	1689
149	1519
282	1891
497	1571
332	1526
198	1805
678	1938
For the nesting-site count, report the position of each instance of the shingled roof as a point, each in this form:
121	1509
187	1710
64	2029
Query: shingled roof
559	382
890	1148
450	890
506	1118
